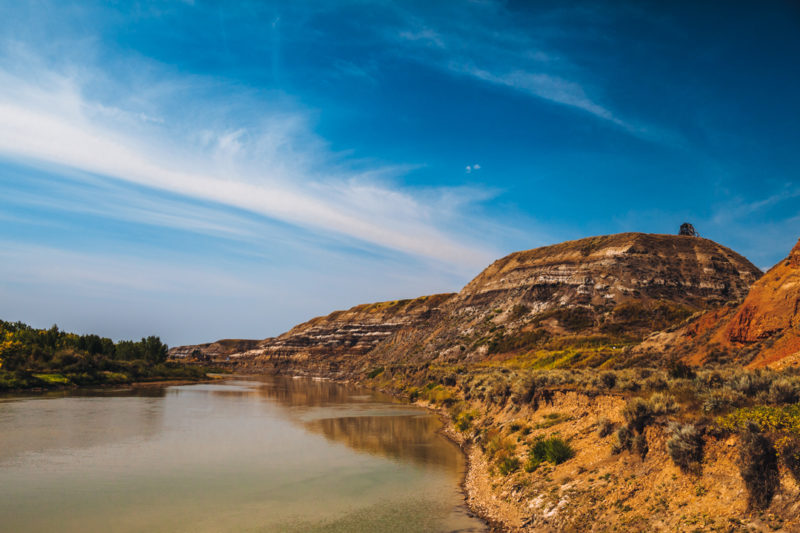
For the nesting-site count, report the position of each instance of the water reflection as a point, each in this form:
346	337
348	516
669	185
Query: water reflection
306	392
406	438
58	420
256	455
363	420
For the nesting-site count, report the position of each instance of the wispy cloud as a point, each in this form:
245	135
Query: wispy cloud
275	167
482	43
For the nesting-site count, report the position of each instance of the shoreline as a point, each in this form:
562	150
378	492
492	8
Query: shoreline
471	498
132	385
493	524
472	501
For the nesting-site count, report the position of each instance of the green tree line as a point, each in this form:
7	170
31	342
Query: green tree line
31	357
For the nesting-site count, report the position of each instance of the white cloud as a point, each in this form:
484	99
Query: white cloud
272	168
424	35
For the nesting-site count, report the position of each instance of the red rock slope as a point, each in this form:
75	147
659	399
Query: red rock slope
763	330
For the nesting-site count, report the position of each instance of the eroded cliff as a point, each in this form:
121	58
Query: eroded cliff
763	330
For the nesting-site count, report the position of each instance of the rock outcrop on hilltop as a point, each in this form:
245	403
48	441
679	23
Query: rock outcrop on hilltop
764	330
607	291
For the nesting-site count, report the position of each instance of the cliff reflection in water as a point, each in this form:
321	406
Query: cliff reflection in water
363	420
406	438
304	392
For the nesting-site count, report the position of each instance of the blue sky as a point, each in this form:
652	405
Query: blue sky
200	170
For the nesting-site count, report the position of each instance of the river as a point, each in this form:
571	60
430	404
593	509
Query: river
254	454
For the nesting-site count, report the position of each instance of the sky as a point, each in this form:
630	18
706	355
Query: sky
202	170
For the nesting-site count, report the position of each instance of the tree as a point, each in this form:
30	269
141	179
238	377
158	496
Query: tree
154	350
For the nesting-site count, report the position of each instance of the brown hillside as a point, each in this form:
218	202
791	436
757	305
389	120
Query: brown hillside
577	303
606	270
341	334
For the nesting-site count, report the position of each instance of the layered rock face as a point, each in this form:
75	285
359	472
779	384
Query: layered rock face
630	283
219	350
604	271
353	332
347	334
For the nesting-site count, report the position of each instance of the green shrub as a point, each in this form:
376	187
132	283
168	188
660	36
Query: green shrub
507	463
750	383
758	467
375	373
604	427
662	404
791	458
710	379
637	414
680	370
639	445
685	446
784	391
552	419
554	450
655	383
52	379
782	420
464	420
623	438
523	390
608	380
721	400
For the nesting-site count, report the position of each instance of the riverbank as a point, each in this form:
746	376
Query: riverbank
474	485
600	489
647	449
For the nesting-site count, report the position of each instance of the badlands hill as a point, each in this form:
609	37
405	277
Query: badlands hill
763	330
578	303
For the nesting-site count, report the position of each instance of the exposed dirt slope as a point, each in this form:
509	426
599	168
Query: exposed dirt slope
218	350
764	330
322	342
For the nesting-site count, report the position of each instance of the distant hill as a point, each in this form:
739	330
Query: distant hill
578	303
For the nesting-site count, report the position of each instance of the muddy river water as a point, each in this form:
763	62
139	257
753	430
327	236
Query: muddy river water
266	454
